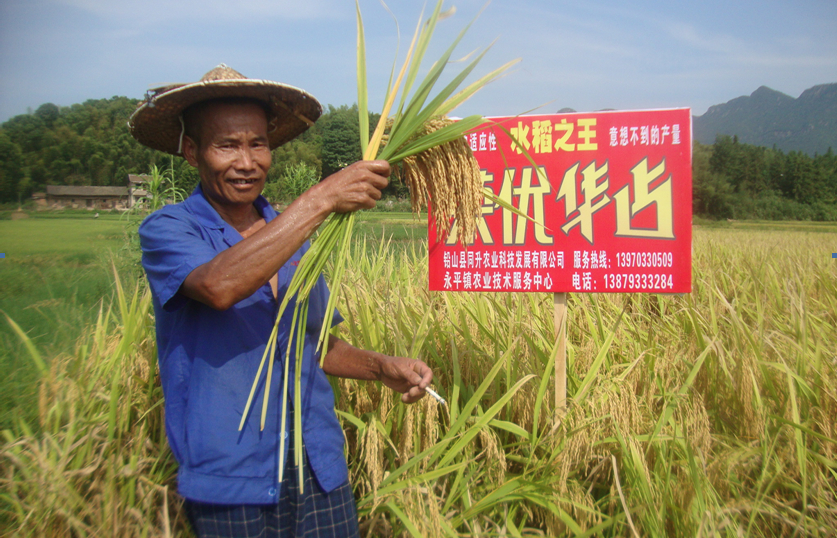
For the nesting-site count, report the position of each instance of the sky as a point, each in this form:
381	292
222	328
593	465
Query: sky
585	55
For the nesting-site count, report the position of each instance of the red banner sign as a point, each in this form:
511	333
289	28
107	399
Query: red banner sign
612	190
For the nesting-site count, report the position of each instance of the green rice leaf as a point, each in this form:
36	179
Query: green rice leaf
681	392
34	354
362	93
271	345
408	525
412	120
593	372
421	40
483	421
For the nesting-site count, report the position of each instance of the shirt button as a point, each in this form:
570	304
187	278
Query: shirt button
272	492
285	435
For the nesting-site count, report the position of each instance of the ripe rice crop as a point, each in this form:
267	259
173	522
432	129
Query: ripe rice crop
699	415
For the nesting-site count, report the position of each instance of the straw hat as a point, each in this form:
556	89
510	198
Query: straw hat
158	121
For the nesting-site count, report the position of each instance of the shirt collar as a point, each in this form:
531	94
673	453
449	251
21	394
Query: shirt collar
200	207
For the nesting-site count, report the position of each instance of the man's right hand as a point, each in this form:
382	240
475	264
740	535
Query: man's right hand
355	187
239	271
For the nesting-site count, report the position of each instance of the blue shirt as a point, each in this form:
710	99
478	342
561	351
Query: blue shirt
209	358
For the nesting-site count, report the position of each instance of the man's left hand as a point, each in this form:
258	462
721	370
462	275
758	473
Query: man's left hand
408	376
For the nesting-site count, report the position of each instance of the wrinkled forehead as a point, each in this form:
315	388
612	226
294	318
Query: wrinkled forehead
226	113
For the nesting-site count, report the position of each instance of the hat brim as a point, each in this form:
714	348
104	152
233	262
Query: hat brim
156	122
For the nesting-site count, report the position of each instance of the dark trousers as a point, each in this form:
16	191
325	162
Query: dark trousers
312	514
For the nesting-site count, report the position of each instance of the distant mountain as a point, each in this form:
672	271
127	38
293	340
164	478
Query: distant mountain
767	118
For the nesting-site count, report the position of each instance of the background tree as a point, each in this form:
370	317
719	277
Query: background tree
88	144
11	169
48	113
711	190
340	145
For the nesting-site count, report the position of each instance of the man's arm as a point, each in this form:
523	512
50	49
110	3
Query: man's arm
408	376
239	271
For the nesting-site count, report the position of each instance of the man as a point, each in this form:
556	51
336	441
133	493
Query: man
218	265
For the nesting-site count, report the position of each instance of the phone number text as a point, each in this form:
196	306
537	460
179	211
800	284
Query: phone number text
630	281
644	259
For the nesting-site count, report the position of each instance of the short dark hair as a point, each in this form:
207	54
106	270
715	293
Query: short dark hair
193	115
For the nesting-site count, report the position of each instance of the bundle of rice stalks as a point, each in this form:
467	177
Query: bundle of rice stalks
438	165
447	174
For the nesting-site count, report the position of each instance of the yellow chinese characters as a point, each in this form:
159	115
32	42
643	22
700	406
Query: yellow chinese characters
644	197
594	197
542	136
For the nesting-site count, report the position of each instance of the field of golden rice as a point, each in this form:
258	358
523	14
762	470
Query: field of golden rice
710	414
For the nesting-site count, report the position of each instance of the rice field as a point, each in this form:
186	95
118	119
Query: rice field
58	266
710	414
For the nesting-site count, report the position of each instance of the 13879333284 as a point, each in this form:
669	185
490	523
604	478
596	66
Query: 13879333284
639	281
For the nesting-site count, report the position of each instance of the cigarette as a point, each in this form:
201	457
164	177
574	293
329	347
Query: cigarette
433	393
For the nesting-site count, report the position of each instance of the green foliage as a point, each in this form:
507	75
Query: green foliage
48	113
295	179
340	146
89	144
739	181
11	169
84	144
710	190
304	149
162	189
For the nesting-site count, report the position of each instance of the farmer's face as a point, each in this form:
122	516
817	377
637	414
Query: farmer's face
232	154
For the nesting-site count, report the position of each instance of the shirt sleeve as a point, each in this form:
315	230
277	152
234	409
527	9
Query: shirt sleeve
172	247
